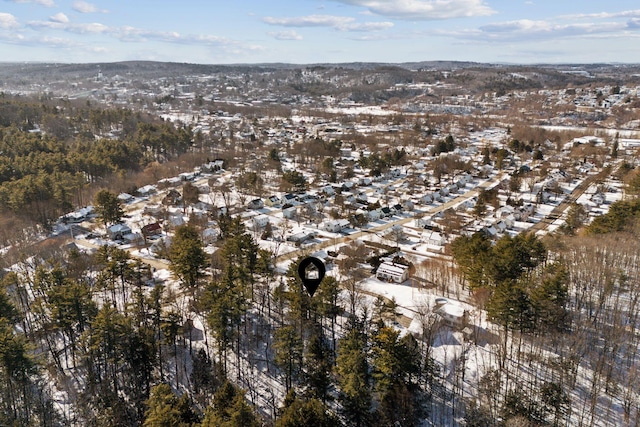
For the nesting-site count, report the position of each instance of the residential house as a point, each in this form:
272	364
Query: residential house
125	197
302	237
289	212
335	226
491	231
147	190
423	222
433	238
153	229
259	222
272	201
454	315
118	231
374	214
173	197
213	166
598	199
78	216
328	190
427	199
392	272
288	199
255	204
408	205
501	226
188	176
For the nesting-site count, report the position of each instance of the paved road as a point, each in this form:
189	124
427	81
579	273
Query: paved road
557	212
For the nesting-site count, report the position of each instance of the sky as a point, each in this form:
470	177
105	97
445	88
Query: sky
320	31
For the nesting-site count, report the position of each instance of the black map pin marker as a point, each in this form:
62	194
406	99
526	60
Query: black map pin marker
311	271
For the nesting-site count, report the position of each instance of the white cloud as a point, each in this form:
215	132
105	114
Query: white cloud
310	21
369	26
528	30
416	10
525	27
85	7
60	18
285	35
90	28
8	21
47	3
138	35
604	15
341	23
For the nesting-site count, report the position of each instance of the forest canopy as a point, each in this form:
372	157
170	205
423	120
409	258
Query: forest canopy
50	153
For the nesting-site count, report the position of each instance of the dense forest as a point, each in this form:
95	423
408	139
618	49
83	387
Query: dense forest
51	150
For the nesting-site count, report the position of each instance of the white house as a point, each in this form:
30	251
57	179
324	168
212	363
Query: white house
335	226
510	221
259	222
79	215
501	226
423	222
289	212
364	181
374	214
453	314
392	272
125	197
147	190
118	231
301	237
434	238
328	190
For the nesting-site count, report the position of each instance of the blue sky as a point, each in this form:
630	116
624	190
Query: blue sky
319	31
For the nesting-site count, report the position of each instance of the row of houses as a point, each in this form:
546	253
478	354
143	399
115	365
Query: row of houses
439	195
